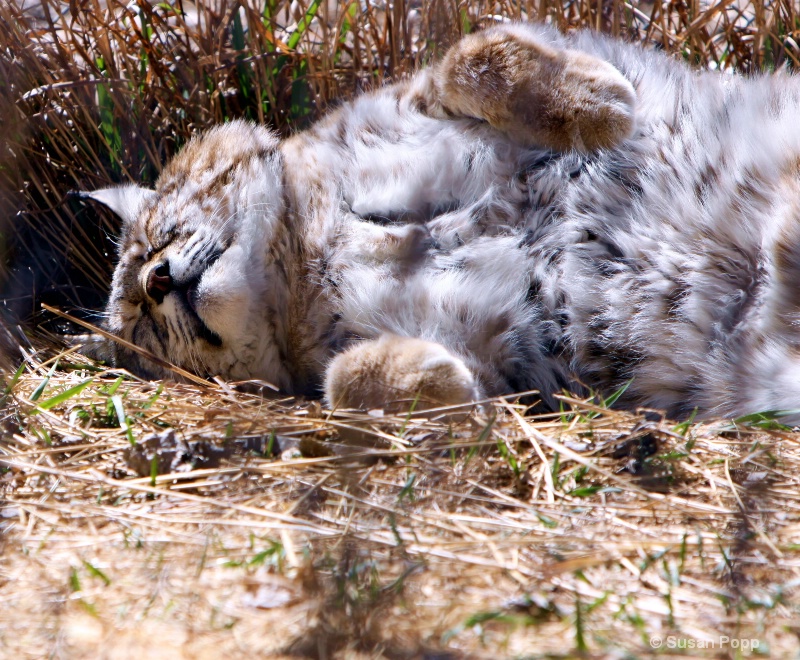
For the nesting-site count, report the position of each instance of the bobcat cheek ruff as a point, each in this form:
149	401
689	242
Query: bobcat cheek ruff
534	212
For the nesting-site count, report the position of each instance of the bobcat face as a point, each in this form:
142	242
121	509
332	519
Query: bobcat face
193	282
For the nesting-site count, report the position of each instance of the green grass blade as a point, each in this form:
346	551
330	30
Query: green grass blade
123	421
108	128
61	397
302	24
96	572
38	391
14	379
612	398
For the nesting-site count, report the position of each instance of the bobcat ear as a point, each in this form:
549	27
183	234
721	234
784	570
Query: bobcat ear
125	201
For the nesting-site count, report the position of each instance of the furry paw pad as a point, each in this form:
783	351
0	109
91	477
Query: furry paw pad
396	371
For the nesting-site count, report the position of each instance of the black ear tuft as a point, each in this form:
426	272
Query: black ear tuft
126	201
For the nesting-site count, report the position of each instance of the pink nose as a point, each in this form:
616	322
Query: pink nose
159	283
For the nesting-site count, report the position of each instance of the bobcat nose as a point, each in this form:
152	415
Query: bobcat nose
159	283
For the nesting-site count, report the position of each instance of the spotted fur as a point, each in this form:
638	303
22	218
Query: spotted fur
535	212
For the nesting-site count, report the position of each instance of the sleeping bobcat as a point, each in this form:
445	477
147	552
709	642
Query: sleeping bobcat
534	212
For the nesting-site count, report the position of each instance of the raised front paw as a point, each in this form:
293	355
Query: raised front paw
537	93
395	372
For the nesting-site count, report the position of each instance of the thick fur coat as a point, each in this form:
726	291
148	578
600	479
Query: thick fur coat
535	212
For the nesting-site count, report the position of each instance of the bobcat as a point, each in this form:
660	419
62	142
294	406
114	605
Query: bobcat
534	212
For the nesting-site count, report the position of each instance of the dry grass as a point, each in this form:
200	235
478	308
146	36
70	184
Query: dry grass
267	527
499	535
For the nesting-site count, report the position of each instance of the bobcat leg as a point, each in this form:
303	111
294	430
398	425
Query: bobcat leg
537	93
374	373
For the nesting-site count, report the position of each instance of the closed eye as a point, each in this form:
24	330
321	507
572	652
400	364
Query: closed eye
163	239
162	246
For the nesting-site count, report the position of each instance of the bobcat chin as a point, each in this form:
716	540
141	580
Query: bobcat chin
534	212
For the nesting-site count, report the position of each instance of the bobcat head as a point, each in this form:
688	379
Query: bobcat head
197	283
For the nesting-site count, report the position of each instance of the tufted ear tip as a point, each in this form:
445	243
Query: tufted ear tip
125	201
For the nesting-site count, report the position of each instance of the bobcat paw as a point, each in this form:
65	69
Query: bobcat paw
534	92
394	370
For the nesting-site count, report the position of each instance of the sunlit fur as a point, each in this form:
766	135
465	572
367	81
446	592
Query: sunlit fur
543	212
